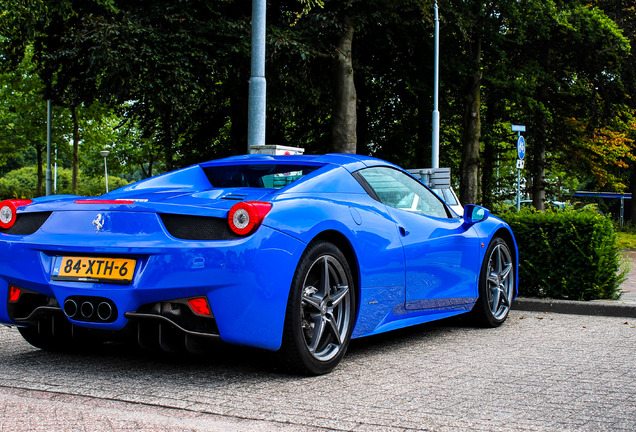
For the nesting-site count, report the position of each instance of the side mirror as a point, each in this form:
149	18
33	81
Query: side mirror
474	214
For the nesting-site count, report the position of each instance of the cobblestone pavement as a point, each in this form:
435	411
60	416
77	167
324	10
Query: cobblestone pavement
538	372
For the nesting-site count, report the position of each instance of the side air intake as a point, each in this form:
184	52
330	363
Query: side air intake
188	227
27	223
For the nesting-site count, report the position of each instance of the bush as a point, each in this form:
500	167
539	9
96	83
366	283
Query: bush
567	254
22	183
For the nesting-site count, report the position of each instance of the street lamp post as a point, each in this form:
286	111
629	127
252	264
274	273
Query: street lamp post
104	153
435	140
257	84
48	147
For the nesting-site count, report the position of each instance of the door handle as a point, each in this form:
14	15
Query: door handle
403	232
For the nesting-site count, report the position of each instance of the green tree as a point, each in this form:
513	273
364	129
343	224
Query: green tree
623	13
515	68
155	60
23	131
23	120
345	76
572	72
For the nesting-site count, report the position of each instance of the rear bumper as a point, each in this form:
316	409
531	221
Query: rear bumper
246	282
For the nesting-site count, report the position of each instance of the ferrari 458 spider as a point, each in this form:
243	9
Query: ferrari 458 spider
295	254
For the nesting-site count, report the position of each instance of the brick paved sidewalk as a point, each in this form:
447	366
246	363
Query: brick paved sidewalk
629	287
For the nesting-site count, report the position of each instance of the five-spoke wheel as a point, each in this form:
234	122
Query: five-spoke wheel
320	311
496	285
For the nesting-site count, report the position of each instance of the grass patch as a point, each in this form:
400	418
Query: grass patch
626	240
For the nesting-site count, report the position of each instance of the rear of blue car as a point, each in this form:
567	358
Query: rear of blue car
142	268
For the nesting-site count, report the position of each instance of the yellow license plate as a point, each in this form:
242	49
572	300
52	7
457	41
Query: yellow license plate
90	269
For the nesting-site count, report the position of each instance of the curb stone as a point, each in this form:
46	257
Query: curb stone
611	308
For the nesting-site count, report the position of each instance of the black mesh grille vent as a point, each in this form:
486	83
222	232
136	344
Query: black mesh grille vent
27	223
197	227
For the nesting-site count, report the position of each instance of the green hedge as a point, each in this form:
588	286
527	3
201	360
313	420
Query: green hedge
567	254
22	183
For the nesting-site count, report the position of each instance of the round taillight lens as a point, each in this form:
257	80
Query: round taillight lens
8	211
6	216
245	217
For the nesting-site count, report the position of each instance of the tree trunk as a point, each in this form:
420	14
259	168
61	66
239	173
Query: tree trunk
488	176
469	180
76	139
540	142
38	156
167	143
344	115
424	144
239	101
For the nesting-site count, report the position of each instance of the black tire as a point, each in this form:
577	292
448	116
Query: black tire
320	311
496	285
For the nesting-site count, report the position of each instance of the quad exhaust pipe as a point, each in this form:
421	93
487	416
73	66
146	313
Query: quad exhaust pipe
70	308
104	311
87	309
91	309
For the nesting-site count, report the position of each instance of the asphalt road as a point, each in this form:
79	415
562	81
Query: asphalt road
538	372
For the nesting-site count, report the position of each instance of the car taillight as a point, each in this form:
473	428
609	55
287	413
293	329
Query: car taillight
246	216
8	211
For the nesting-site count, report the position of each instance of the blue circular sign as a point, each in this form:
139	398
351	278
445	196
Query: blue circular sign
521	147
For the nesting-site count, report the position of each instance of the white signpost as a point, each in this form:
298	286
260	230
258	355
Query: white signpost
521	154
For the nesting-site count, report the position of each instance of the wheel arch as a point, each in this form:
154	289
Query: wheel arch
341	241
507	236
295	353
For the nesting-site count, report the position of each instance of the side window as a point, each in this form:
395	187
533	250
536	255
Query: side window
399	190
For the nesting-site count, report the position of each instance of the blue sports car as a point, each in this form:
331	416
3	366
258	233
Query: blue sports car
294	254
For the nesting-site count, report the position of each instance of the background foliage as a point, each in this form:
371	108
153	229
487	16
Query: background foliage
21	183
163	84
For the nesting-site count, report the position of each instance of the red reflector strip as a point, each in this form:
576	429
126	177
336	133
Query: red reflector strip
200	306
104	201
21	202
14	293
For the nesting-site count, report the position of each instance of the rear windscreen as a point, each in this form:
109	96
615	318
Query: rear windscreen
274	176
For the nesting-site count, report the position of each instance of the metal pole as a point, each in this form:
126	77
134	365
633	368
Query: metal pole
518	182
258	85
105	153
435	150
55	174
106	173
48	147
518	189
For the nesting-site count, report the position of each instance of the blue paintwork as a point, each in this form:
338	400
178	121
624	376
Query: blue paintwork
410	268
